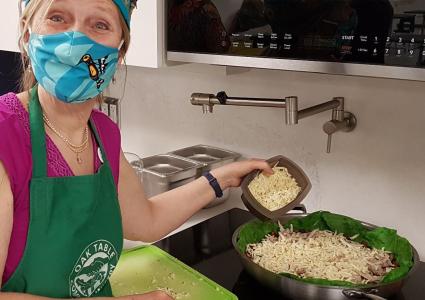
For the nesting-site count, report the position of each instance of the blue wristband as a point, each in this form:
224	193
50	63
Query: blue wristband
214	184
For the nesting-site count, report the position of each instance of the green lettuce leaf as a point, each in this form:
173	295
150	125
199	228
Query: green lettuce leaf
389	240
254	232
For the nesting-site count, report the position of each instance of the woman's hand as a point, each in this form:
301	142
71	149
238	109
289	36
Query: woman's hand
157	295
231	175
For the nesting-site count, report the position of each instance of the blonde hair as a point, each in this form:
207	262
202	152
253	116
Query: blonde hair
28	13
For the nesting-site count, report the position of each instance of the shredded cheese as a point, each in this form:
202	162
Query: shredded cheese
321	254
170	292
275	191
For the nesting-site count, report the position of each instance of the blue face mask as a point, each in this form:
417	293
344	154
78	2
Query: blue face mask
71	66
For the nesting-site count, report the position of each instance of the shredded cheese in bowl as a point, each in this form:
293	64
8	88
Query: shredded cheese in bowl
322	255
275	191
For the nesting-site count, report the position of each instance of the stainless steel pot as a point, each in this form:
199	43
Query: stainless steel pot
296	289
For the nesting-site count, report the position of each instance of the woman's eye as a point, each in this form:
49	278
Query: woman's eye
56	19
102	26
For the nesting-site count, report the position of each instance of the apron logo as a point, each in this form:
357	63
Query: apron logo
93	269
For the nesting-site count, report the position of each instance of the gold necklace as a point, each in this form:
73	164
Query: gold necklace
65	139
77	149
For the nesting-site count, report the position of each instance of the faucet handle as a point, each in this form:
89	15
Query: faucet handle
329	144
347	125
333	126
330	128
207	108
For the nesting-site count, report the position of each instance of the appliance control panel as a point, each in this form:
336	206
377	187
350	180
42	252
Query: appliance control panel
381	32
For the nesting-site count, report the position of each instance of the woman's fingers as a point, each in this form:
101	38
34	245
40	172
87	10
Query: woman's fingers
231	175
262	165
157	295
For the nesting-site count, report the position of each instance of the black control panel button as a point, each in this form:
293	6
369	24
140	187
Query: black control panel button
376	40
387	51
273	46
247	44
288	37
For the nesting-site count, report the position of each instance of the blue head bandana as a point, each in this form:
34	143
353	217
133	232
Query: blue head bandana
71	66
125	6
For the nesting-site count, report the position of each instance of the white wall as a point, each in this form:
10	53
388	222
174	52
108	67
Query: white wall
9	16
376	174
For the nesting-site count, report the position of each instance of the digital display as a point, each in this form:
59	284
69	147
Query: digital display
382	32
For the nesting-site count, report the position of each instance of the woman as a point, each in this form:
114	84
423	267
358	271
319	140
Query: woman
67	194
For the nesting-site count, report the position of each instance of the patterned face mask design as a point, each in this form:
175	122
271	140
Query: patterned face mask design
71	66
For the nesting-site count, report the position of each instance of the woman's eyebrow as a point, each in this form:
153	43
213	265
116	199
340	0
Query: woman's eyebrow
57	4
104	9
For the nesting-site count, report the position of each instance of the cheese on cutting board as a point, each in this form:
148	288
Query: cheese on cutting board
149	268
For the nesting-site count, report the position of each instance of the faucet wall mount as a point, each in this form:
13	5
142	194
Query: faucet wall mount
341	120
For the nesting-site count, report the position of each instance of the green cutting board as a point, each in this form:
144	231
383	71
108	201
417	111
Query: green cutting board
148	268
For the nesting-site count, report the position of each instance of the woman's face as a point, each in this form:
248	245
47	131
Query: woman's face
98	19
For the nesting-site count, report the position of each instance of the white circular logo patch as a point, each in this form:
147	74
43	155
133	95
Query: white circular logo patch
93	269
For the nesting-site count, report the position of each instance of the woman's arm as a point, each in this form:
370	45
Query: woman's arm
149	220
6	217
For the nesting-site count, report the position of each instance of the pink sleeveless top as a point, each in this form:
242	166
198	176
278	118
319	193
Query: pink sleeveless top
15	154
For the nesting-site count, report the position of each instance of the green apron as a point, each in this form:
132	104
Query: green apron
75	232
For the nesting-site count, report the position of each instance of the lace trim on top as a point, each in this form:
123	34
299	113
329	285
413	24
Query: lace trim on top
55	161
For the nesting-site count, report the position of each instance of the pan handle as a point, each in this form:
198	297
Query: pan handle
356	294
301	208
